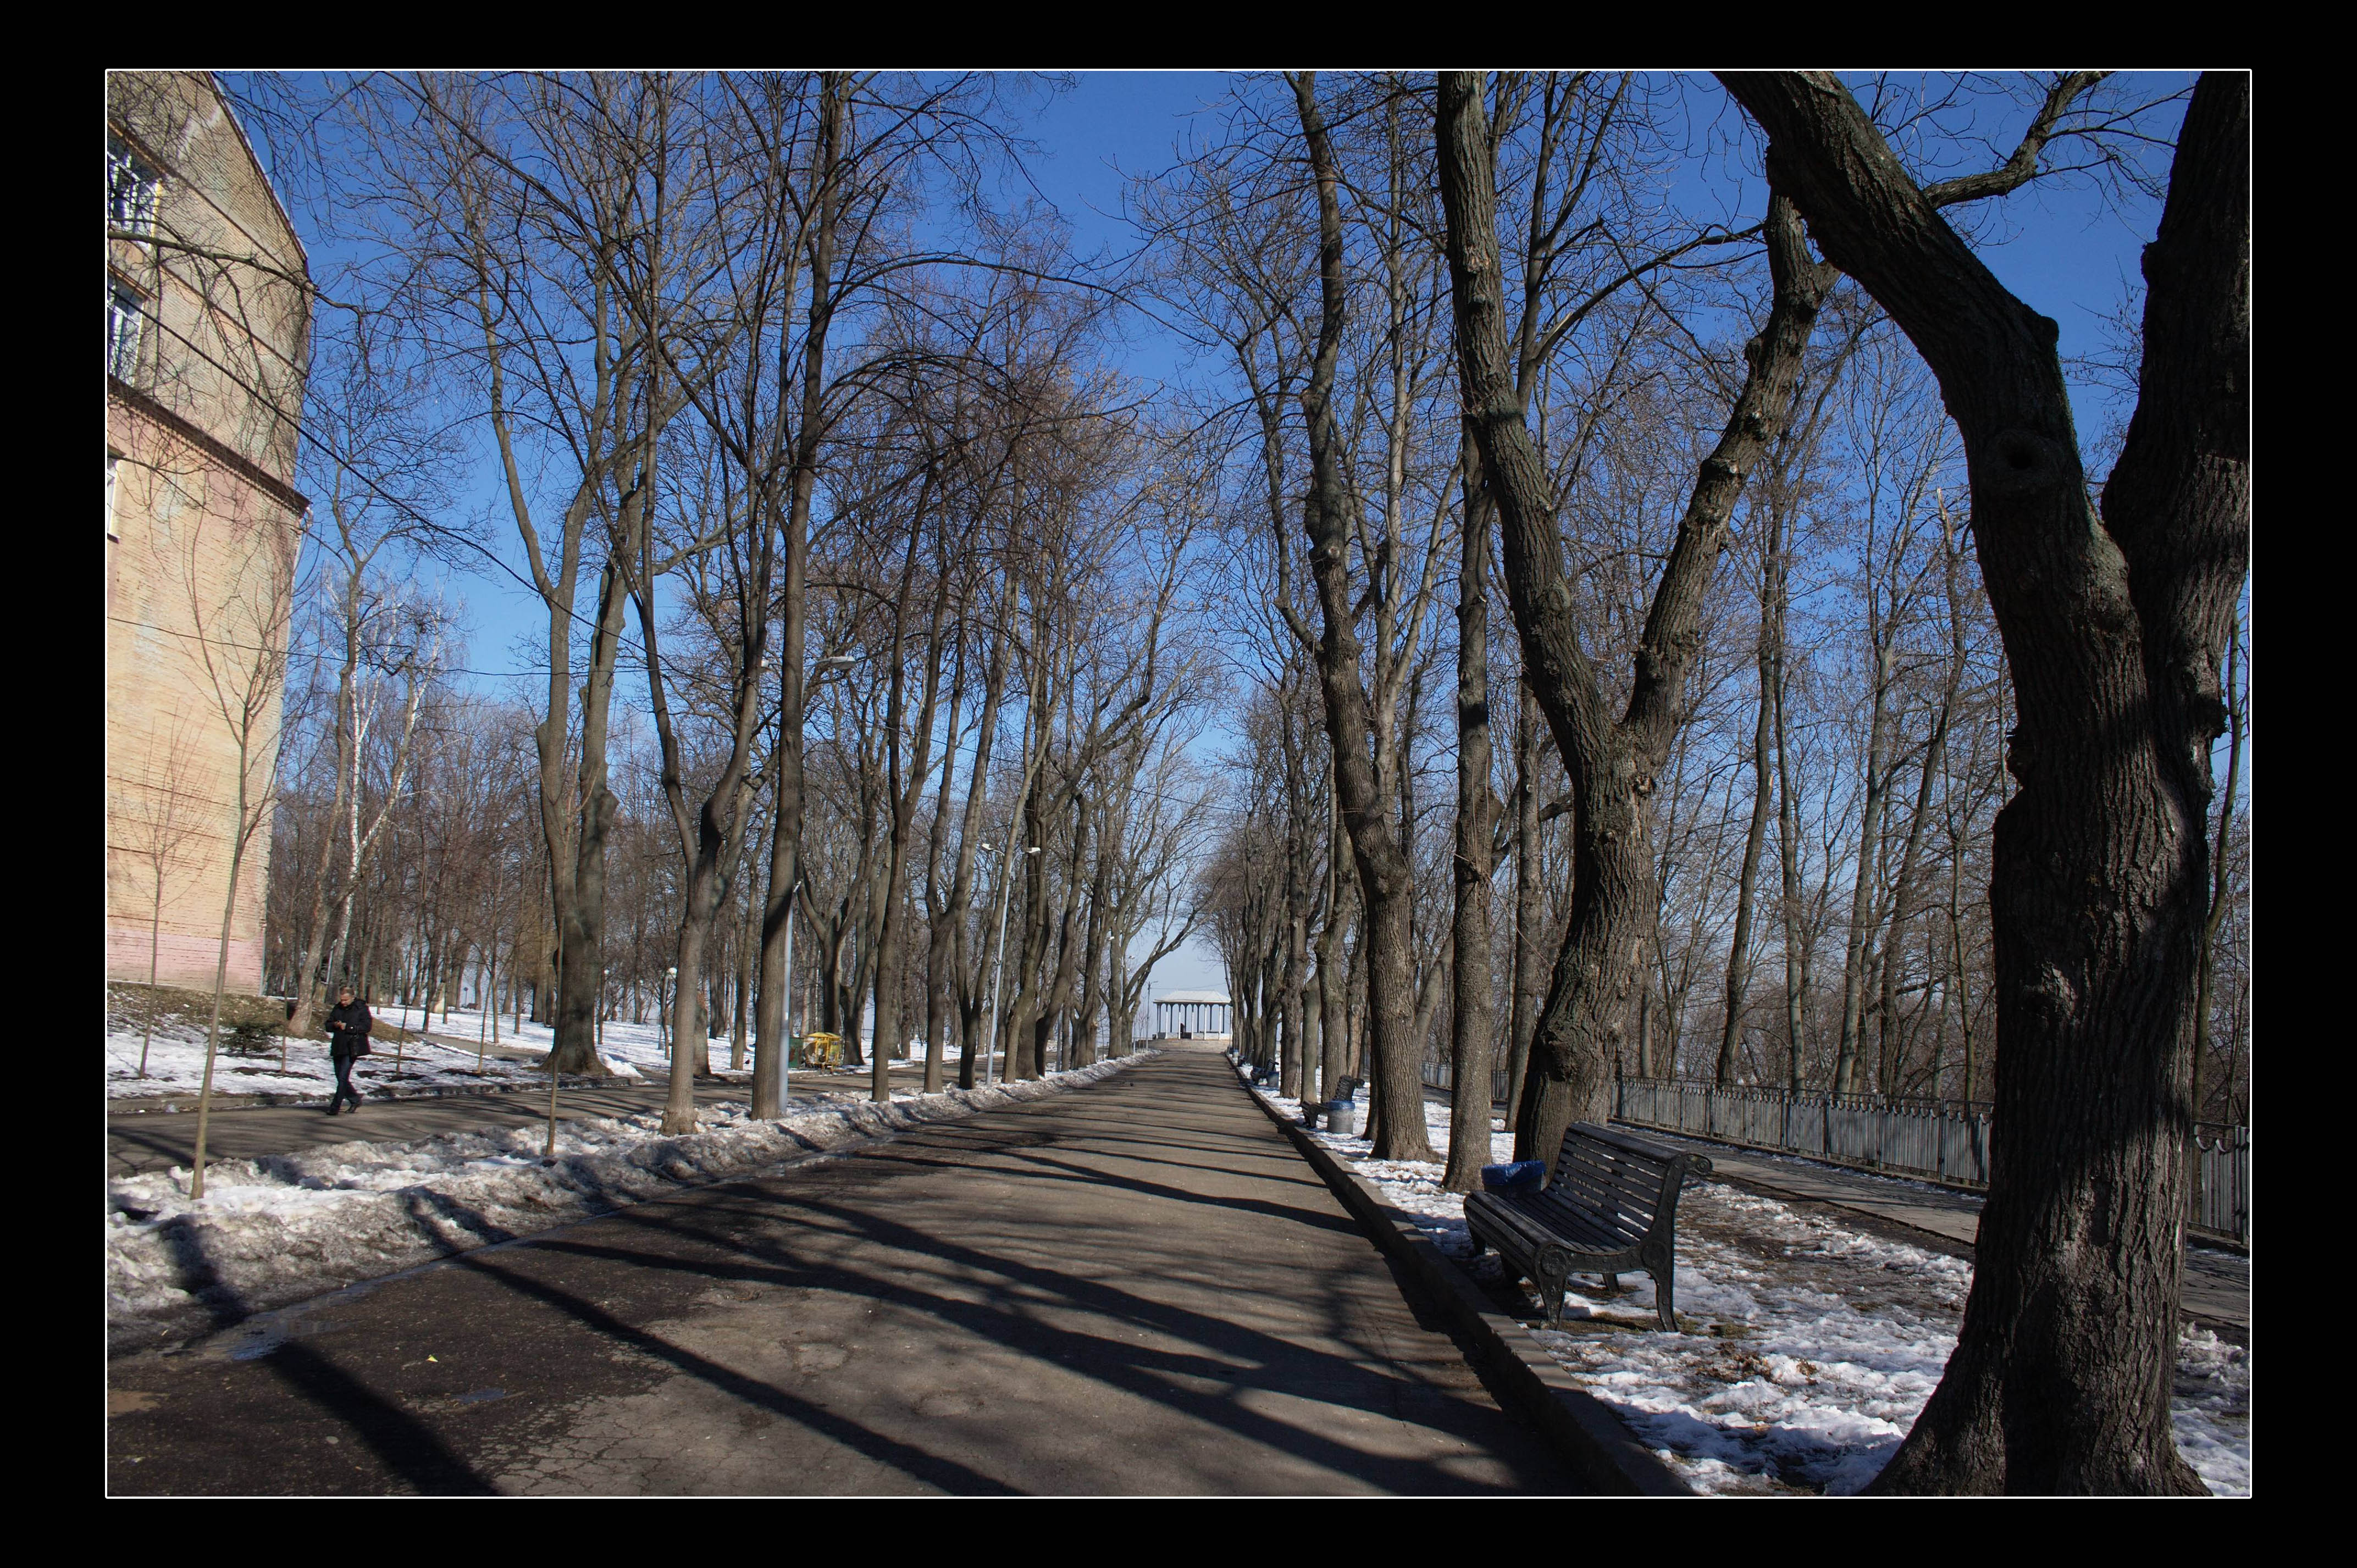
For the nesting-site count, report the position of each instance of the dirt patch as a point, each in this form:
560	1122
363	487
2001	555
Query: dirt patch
132	1007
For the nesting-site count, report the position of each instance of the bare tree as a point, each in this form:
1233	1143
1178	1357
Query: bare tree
159	825
240	602
536	212
1613	761
2114	621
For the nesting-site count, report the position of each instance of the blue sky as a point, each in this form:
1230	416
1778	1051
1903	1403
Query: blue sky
2063	250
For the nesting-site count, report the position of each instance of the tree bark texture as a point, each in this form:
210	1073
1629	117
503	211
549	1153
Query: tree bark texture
1612	762
2112	628
770	1044
1386	879
1470	1026
1763	794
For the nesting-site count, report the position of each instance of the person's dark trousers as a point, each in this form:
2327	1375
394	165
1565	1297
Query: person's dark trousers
344	1089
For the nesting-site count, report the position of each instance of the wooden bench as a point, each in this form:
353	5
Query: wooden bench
1612	1206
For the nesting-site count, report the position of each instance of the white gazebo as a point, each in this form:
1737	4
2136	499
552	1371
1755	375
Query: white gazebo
1191	1014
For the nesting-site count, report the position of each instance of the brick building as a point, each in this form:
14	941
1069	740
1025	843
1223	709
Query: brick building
208	316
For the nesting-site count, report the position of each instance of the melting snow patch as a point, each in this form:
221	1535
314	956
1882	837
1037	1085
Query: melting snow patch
285	1227
1809	1347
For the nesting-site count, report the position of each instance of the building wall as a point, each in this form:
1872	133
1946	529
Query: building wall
203	527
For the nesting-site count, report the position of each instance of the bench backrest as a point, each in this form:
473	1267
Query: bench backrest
1628	1184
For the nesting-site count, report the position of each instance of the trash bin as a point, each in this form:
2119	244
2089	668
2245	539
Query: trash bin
1518	1176
1342	1117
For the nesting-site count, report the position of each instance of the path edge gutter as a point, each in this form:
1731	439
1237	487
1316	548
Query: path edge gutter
1585	1432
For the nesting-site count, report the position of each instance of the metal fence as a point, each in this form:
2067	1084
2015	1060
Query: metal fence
1442	1076
2222	1181
1939	1140
1946	1142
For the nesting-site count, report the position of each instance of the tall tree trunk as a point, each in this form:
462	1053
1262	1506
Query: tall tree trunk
1868	867
1788	851
949	933
2065	1359
1333	977
1612	762
937	931
748	939
1386	879
311	985
770	1044
581	933
2206	982
1031	1002
1469	1102
1763	793
1905	902
1056	1004
1110	838
1292	1012
714	838
905	786
1530	906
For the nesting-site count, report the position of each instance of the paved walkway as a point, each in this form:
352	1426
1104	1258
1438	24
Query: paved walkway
140	1141
1136	1287
2217	1283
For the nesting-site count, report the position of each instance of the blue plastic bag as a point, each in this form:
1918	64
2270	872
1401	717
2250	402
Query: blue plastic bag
1521	1176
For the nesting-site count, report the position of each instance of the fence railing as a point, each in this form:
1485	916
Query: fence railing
2222	1181
1443	1077
1941	1140
1948	1141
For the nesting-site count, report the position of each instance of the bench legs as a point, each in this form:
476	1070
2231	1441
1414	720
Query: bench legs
1664	1295
1663	1268
1553	1282
1551	1272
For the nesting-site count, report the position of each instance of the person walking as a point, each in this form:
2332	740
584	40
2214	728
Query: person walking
348	1040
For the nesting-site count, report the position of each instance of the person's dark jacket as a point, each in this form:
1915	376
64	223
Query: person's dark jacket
348	1029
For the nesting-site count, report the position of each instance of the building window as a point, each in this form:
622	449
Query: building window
110	461
122	330
131	187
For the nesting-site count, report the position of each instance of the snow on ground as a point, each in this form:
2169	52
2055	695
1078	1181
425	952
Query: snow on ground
175	1059
287	1227
625	1047
1808	1347
175	1066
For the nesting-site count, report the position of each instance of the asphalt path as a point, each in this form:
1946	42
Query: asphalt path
151	1141
1137	1287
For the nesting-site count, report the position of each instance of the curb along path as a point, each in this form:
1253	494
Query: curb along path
1585	1431
1135	1288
